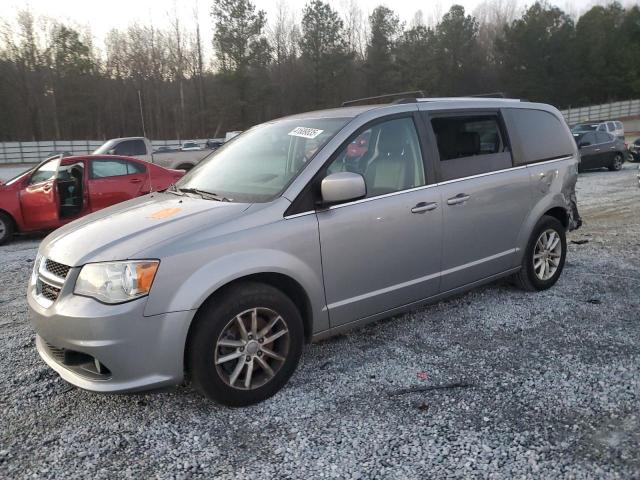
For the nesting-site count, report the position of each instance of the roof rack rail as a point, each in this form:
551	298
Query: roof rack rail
403	99
490	95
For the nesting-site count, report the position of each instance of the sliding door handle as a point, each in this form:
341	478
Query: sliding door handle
460	198
424	207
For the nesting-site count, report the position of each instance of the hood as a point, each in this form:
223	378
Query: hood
118	232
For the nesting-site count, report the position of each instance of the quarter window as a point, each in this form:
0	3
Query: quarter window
387	155
537	135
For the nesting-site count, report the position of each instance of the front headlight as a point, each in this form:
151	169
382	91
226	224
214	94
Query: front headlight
36	267
116	282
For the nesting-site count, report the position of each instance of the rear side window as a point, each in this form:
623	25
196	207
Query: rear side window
537	135
114	168
602	137
611	126
470	145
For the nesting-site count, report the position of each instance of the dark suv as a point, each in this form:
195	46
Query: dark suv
600	149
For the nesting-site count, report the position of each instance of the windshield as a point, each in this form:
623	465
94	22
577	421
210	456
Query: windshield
584	127
105	147
259	164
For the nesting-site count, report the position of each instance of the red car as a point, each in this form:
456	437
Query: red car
61	189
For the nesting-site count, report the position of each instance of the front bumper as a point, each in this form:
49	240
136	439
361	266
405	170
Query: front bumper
133	352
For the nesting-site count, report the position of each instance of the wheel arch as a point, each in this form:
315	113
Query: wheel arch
11	218
286	284
560	213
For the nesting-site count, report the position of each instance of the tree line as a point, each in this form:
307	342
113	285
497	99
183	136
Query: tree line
56	84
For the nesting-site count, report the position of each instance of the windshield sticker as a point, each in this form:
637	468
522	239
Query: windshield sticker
305	132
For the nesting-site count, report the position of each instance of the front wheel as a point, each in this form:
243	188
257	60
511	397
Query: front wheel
245	345
544	257
617	163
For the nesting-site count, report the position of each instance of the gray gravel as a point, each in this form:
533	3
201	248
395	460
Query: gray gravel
496	383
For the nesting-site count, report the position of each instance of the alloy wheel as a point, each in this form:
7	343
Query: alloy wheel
252	348
617	162
547	254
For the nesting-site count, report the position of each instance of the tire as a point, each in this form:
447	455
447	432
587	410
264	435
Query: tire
528	277
617	162
217	323
6	228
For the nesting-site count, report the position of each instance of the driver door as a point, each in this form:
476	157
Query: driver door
39	198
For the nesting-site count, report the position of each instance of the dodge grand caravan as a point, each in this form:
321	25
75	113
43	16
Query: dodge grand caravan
288	234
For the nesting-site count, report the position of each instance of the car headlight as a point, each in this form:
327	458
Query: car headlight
116	282
36	267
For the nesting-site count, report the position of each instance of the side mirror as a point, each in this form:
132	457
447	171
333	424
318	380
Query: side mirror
342	186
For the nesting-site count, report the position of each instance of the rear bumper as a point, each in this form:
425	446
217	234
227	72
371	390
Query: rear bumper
134	352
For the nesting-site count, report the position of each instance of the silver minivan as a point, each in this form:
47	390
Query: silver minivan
301	228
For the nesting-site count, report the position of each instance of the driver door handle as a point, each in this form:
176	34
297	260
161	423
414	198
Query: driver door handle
424	207
460	198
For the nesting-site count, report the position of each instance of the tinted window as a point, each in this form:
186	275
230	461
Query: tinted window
467	136
602	127
537	135
611	126
387	155
602	137
114	168
619	125
131	148
45	172
470	145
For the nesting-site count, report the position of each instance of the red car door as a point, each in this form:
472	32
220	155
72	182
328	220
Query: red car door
39	198
114	180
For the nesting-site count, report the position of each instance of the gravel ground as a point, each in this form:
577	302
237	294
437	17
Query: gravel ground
496	383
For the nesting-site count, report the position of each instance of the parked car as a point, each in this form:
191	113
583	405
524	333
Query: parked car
214	143
600	149
634	150
614	127
273	242
190	146
164	149
141	148
62	189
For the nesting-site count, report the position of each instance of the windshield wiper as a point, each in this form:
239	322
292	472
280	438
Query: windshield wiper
204	194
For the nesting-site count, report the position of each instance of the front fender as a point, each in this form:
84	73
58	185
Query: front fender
288	247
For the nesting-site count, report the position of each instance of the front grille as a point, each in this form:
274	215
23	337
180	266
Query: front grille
48	291
57	269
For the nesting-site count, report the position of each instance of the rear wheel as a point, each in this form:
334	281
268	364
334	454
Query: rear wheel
544	257
617	162
245	344
6	228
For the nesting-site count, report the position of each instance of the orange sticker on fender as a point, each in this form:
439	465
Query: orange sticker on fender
167	212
